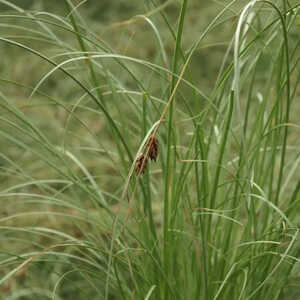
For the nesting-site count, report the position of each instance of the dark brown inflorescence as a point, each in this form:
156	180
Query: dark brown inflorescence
141	164
150	151
153	148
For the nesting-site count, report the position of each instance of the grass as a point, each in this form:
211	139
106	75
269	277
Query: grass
87	213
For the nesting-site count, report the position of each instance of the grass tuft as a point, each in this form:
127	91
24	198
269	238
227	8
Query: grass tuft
151	157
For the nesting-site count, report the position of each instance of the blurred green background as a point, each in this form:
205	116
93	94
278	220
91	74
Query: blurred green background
136	39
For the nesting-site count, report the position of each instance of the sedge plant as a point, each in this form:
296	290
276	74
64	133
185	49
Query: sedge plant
131	168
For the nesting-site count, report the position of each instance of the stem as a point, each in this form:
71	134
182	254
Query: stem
170	168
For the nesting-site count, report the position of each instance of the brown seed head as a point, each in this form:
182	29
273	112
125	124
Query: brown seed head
141	164
152	146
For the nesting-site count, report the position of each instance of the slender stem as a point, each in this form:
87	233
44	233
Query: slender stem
148	199
84	49
204	185
214	191
170	172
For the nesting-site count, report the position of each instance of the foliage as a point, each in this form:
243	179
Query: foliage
150	156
